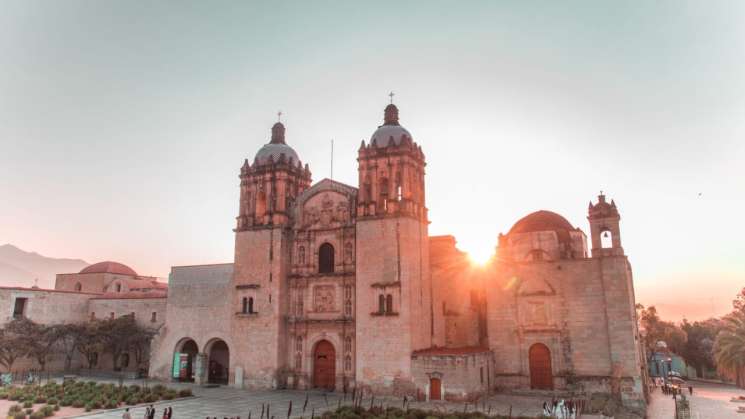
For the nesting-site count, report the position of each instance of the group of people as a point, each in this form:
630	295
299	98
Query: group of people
563	409
150	413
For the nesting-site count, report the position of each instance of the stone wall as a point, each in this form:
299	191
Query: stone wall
463	374
196	309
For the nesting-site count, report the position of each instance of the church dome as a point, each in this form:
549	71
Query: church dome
541	221
390	129
109	267
276	147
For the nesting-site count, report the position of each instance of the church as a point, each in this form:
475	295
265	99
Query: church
341	287
338	287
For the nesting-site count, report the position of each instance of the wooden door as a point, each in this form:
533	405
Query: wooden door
324	365
435	389
541	376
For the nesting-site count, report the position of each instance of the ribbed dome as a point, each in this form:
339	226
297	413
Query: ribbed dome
276	147
541	221
109	267
275	150
390	129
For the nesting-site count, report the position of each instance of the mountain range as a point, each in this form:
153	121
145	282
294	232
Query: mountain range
19	268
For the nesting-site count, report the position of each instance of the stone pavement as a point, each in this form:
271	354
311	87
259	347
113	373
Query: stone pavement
709	401
229	402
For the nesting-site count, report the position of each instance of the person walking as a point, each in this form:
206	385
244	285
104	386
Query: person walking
147	412
152	413
126	414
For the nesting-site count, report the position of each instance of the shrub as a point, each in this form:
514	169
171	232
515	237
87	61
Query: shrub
29	411
36	415
150	398
78	403
40	399
52	400
159	388
186	392
47	411
15	408
169	395
134	388
88	407
66	401
19	415
56	407
28	403
111	404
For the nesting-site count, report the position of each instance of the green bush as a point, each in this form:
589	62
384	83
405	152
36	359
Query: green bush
40	399
150	398
15	408
52	400
47	411
78	403
186	392
88	407
28	403
56	407
29	411
19	415
159	388
36	415
111	404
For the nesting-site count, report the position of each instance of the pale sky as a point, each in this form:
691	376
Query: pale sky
123	124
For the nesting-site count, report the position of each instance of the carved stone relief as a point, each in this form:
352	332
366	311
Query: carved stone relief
324	298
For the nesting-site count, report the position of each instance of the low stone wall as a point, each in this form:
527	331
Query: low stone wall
462	376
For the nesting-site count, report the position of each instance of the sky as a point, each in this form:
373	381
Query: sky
123	124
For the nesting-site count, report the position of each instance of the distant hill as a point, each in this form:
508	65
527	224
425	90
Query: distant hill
21	268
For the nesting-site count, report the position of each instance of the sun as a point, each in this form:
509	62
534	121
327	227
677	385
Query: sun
479	257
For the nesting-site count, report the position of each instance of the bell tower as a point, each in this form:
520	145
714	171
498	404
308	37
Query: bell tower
394	290
259	291
604	229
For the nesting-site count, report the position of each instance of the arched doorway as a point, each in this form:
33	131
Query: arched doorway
541	376
218	362
183	360
324	365
435	389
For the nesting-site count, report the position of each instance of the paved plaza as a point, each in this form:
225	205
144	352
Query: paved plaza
229	402
709	401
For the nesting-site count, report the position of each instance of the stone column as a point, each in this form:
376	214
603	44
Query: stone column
238	383
200	369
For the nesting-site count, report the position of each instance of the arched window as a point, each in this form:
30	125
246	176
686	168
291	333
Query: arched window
381	304
245	305
299	344
298	361
606	239
301	255
348	344
260	203
125	361
383	189
389	303
348	308
348	363
348	253
326	258
78	286
250	304
300	305
118	287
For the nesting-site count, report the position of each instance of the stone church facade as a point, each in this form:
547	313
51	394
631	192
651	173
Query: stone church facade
339	287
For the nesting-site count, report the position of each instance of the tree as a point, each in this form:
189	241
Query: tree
90	343
660	330
69	338
123	334
729	347
41	342
699	348
739	302
14	341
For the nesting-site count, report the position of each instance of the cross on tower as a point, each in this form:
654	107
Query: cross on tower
391	94
279	116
